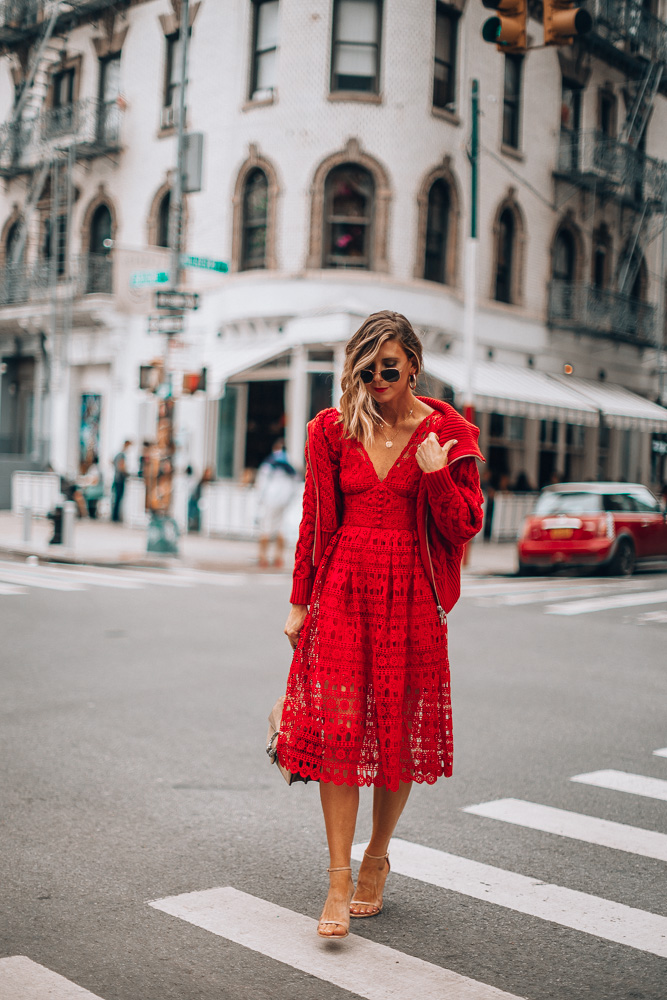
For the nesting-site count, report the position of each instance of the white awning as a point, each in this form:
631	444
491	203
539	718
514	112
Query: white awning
619	407
236	358
514	391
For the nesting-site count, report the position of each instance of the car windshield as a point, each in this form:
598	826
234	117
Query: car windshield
568	503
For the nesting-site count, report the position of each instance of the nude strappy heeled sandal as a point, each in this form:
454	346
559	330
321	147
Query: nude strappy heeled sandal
377	906
339	923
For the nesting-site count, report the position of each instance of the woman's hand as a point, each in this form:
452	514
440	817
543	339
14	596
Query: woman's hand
431	455
294	623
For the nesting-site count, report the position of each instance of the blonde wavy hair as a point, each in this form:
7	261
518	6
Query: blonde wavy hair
360	414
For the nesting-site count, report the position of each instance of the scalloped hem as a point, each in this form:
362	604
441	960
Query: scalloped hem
306	774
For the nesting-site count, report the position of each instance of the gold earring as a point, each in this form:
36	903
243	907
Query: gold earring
413	380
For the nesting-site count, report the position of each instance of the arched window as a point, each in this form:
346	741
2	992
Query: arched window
437	232
255	214
348	217
12	237
99	261
564	256
505	256
601	262
164	212
564	265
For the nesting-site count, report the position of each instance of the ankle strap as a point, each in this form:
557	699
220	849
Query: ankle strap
377	857
347	869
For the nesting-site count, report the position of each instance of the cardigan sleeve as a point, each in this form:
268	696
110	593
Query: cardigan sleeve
304	571
455	500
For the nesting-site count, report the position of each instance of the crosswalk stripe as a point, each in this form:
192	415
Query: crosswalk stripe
23	979
537	597
608	603
89	577
364	968
28	578
7	589
581	911
577	826
661	753
622	781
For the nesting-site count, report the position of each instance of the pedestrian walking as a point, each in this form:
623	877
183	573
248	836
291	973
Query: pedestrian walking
275	484
91	484
392	495
120	474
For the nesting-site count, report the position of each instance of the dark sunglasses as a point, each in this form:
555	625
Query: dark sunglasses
387	375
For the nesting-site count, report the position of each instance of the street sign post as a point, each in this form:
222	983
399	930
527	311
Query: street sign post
171	323
178	301
139	279
205	263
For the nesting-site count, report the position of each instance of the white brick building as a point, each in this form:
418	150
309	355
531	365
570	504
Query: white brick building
336	182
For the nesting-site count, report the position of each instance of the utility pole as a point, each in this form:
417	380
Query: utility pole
162	530
470	272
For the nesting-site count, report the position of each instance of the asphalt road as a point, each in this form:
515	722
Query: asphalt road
131	741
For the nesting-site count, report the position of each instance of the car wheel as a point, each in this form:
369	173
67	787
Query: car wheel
623	563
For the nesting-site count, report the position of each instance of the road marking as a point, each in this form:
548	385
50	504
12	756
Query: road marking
6	589
30	578
607	603
568	907
577	826
88	576
661	753
537	597
23	979
622	781
364	968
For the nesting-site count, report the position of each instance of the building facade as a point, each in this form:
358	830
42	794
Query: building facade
335	182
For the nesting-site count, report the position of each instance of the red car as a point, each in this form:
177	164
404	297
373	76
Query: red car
610	526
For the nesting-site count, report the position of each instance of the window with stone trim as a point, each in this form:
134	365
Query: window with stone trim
601	261
255	219
355	48
163	214
444	60
265	32
512	102
172	71
437	232
505	253
348	217
564	266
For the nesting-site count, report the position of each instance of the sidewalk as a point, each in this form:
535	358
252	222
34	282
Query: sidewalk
101	543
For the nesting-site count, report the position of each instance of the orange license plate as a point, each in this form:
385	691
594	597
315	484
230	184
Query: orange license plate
561	532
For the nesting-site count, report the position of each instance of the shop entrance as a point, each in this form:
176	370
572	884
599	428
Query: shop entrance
266	420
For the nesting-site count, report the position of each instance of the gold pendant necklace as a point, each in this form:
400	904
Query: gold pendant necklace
389	442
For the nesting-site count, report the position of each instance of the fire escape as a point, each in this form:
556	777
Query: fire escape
616	168
39	146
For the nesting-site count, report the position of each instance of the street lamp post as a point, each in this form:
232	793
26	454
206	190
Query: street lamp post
470	271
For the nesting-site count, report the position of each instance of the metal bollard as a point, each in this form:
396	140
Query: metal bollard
27	523
69	513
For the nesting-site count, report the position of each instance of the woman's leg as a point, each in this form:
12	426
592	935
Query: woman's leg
387	809
339	805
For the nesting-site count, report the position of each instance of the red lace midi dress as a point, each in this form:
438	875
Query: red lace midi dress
368	694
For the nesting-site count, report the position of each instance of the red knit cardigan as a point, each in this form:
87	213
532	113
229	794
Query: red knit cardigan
449	504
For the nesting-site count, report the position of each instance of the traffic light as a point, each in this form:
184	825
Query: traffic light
563	21
508	29
194	382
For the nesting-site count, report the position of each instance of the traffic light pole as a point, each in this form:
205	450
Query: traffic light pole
470	269
162	529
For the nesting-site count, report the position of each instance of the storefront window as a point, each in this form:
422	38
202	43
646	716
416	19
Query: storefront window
320	391
266	420
226	433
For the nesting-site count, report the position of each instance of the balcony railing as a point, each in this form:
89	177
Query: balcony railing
629	27
90	274
93	127
587	156
21	18
601	312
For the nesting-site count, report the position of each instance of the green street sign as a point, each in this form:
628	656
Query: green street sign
205	263
141	278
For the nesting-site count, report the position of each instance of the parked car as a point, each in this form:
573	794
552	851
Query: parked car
609	526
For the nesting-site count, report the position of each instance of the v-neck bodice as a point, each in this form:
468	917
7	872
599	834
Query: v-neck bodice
381	503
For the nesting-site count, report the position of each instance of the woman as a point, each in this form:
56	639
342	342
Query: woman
392	495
